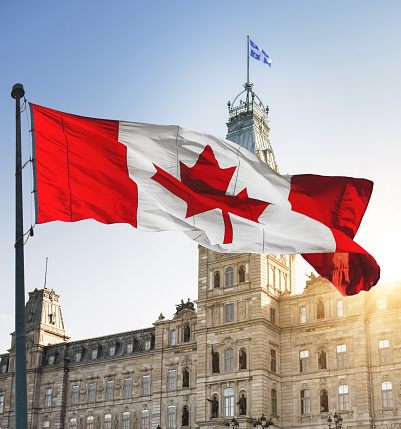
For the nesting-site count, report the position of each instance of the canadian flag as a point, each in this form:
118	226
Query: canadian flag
159	178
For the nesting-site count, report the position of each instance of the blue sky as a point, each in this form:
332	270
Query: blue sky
334	96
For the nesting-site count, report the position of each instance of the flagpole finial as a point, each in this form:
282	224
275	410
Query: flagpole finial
18	90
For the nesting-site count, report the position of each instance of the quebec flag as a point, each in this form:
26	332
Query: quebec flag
259	54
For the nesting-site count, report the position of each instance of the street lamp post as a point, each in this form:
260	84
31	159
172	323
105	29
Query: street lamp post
337	421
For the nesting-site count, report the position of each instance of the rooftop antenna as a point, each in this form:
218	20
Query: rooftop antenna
46	271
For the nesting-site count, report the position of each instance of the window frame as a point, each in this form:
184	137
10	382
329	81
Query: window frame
229	277
304	361
144	419
127	387
91	392
302	314
228	402
109	390
273	361
340	308
387	395
125	421
170	421
74	394
229	312
2	404
48	396
173	337
145	385
343	398
273	396
171	379
305	402
341	352
384	351
229	360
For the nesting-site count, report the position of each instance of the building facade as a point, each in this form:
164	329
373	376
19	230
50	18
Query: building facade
252	347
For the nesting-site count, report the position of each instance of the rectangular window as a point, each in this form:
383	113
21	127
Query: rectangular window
1	404
171	379
340	309
381	303
46	424
302	314
384	347
274	401
74	394
77	356
129	348
127	387
91	392
112	350
387	394
304	360
51	360
171	416
73	423
229	312
89	422
305	401
94	354
273	360
48	397
342	356
125	423
144	419
146	345
343	397
145	384
109	390
229	360
172	338
273	315
229	402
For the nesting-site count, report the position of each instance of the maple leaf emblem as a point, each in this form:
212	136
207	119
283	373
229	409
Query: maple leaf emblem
203	187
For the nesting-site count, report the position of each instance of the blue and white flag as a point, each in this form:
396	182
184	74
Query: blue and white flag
259	54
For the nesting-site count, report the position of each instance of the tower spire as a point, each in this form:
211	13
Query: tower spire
248	125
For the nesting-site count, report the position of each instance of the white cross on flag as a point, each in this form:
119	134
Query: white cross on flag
160	178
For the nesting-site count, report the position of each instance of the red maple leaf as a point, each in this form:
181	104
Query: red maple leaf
203	187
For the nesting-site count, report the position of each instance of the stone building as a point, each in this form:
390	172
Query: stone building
252	347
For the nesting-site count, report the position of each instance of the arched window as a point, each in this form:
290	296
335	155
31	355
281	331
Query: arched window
343	397
305	401
185	379
274	401
144	419
242	359
89	422
241	275
229	276
320	310
324	401
73	423
171	416
185	416
387	394
107	421
125	423
229	402
216	282
46	424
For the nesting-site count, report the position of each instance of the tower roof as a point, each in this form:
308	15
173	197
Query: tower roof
248	125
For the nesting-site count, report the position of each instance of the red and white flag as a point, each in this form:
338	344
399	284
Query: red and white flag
160	178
